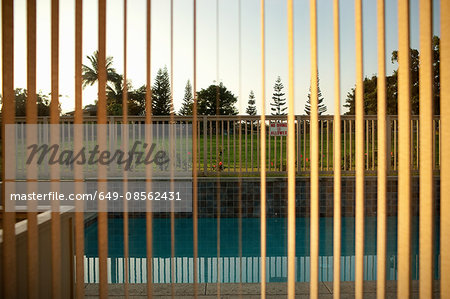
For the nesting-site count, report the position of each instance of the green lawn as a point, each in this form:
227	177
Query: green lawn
227	151
242	152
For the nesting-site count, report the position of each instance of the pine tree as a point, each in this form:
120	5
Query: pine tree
251	109
161	104
279	103
188	101
322	108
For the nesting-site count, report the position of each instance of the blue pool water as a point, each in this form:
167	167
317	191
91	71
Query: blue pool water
232	266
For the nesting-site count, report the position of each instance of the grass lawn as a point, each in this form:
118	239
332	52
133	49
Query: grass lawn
241	152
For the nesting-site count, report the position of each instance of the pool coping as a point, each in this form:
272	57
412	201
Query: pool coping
249	290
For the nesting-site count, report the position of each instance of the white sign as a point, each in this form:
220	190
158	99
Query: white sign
278	129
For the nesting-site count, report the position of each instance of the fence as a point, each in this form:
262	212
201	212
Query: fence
231	269
234	141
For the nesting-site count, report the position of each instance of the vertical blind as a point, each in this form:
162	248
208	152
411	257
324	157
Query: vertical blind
426	127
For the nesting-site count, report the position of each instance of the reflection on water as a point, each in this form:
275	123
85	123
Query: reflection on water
229	267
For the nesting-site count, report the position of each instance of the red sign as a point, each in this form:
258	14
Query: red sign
278	129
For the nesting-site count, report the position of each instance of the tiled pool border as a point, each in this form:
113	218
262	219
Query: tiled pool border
277	197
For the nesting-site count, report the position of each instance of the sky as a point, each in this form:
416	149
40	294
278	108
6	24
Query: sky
217	54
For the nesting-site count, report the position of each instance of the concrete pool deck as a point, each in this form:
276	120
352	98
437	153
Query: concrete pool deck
249	290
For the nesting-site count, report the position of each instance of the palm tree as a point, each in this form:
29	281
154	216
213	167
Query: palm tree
114	94
90	73
114	88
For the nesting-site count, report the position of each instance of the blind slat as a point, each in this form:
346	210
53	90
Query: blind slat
382	153
101	133
404	159
426	229
359	155
314	150
263	152
337	157
31	117
444	131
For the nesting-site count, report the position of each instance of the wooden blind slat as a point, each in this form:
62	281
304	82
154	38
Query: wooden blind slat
195	153
172	154
426	230
337	157
444	132
78	135
8	115
101	138
54	139
263	152
314	150
245	130
31	117
218	210
148	136
404	159
359	155
382	151
125	130
291	153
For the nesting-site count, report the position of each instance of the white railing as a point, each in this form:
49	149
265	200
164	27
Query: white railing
244	269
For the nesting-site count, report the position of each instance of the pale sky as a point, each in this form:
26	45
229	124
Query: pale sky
207	60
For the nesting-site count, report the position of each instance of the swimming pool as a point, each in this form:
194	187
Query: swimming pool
232	267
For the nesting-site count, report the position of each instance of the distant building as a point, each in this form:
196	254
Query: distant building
88	110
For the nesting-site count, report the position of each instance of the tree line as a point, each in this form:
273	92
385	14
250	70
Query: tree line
216	99
370	86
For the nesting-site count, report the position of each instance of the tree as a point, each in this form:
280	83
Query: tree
42	102
114	88
137	102
161	103
207	101
279	103
414	77
370	97
90	73
188	101
370	86
114	98
251	109
114	93
321	107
